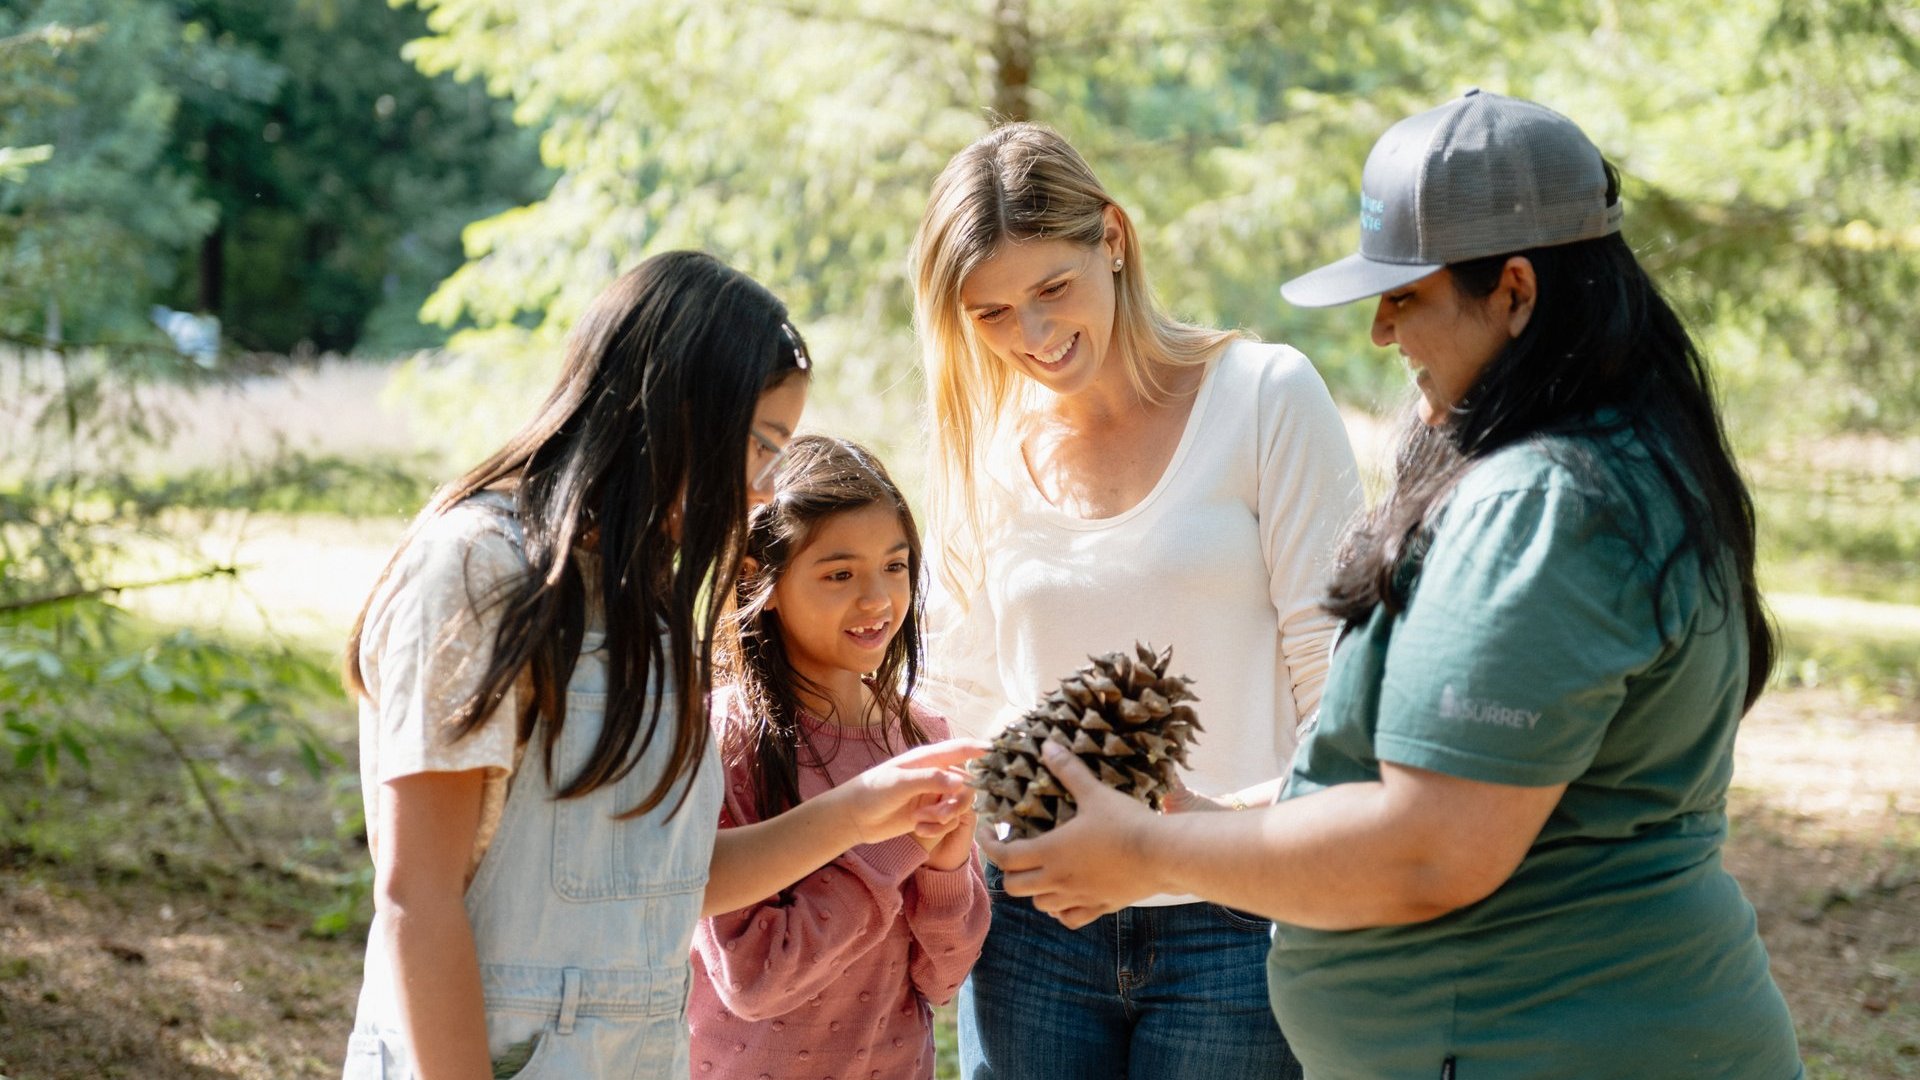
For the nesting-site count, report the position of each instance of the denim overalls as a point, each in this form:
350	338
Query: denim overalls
583	923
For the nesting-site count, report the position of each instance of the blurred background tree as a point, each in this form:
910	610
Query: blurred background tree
1768	145
799	140
285	166
342	194
91	231
278	165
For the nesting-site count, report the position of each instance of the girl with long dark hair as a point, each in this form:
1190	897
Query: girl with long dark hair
532	670
1498	855
836	975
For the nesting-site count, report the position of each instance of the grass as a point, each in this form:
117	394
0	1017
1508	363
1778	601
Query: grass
1871	650
1847	533
293	482
1840	563
138	942
132	809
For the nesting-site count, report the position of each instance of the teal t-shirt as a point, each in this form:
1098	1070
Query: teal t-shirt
1533	651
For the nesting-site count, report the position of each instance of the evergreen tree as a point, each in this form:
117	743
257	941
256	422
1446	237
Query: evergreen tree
1768	147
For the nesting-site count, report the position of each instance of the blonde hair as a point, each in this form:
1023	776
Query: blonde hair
1020	181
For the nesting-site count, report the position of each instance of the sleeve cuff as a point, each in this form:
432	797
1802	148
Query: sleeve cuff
945	888
1466	765
893	859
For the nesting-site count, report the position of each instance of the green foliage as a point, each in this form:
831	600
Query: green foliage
289	482
190	765
1840	562
1774	181
87	690
81	523
1846	534
798	141
68	668
342	194
279	165
90	234
1768	145
48	655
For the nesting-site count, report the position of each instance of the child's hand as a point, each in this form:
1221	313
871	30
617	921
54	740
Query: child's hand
929	833
937	822
921	791
951	852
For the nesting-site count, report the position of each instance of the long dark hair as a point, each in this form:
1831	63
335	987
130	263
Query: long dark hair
821	477
644	434
1603	353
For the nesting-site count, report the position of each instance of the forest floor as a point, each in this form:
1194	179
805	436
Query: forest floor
130	946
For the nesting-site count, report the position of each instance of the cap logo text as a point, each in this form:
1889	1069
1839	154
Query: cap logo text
1372	213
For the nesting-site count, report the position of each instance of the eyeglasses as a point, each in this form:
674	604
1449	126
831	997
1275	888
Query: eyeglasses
763	476
800	358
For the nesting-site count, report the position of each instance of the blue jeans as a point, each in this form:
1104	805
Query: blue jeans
1147	993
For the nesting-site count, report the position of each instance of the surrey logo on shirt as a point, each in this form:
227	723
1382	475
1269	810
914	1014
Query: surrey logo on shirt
1460	707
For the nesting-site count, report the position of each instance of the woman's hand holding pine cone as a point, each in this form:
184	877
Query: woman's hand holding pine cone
1092	865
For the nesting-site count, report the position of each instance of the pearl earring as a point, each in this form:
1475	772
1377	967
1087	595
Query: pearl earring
1117	264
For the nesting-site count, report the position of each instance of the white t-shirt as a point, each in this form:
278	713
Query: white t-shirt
424	649
1225	560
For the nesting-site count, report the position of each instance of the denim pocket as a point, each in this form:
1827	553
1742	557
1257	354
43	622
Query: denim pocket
547	1048
513	1063
602	1046
598	855
1241	920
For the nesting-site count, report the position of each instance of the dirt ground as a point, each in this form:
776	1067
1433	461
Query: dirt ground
129	963
1826	842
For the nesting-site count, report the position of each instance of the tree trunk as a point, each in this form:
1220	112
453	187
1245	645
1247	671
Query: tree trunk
213	271
1012	53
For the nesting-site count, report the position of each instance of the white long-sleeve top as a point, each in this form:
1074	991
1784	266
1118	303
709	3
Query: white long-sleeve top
1225	560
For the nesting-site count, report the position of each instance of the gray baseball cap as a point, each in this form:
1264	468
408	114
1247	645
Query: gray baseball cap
1481	175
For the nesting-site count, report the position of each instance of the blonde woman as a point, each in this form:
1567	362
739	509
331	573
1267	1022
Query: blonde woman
1102	473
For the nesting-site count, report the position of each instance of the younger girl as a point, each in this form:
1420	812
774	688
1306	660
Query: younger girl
835	976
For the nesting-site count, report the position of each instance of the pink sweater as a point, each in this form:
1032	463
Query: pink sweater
833	977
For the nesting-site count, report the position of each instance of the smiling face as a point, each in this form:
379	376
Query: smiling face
845	594
1447	338
1046	307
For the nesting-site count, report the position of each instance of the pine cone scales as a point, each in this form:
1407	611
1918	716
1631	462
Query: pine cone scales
1122	715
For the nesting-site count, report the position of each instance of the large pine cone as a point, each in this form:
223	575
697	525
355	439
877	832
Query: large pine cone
1123	715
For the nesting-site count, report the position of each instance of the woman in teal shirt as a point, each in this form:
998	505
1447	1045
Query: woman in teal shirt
1498	853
